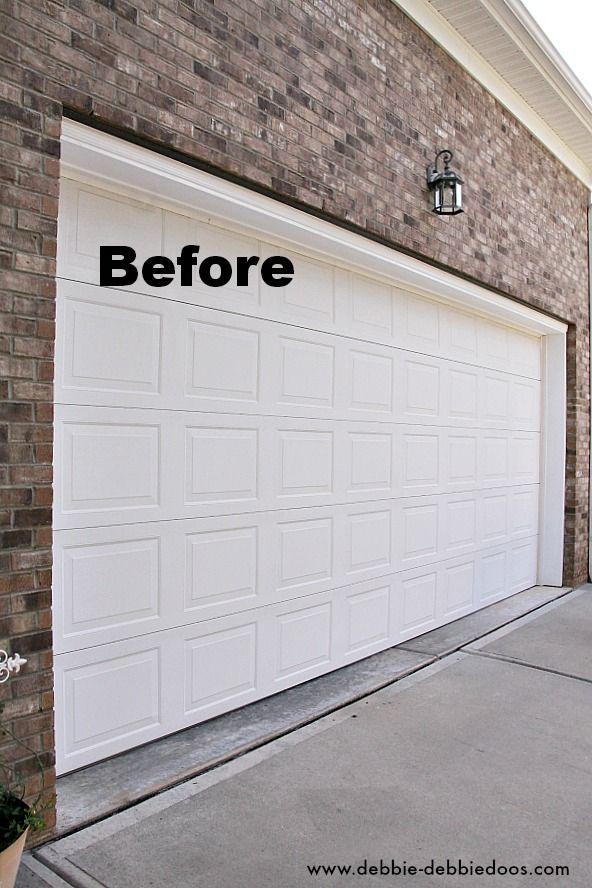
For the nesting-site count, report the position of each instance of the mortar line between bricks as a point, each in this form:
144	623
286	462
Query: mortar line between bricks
516	662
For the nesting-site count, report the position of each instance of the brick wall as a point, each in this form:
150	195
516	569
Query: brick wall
337	106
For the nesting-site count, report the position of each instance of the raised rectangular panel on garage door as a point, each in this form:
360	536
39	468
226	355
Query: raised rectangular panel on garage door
128	355
255	485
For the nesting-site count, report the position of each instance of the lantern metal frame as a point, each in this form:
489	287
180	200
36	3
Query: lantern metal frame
441	180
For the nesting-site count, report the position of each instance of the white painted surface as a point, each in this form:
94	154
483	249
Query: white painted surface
253	488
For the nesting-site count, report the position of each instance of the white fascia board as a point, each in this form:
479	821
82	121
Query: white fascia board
434	24
516	20
91	155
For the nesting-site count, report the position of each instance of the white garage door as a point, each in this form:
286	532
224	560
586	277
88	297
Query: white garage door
255	486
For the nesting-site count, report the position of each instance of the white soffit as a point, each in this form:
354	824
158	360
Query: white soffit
500	45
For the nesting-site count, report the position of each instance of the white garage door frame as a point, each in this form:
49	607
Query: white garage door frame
91	155
94	160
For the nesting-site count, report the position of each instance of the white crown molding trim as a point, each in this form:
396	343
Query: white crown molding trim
90	155
434	24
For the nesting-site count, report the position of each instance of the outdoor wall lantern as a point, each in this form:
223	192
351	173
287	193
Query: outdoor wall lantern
446	186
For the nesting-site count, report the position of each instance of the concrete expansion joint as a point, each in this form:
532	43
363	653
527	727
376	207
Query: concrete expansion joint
490	655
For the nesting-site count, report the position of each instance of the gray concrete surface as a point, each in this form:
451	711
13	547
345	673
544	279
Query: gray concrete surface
94	792
474	756
104	788
559	640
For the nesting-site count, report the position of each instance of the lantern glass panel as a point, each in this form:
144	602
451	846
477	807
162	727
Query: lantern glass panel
438	197
448	197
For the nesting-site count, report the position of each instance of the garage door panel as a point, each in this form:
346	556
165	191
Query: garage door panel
524	511
113	700
90	217
493	576
220	670
117	696
419	323
369	463
370	382
257	485
462	402
458	581
221	568
524	354
495	517
221	467
307	371
418	602
234	660
419	388
523	565
114	472
303	642
109	348
116	356
110	466
369	542
419	530
123	581
459	523
525	404
116	582
368	621
524	457
371	310
461	459
493	342
420	462
305	549
461	337
310	299
222	362
213	240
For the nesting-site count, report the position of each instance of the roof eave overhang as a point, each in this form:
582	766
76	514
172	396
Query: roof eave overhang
519	66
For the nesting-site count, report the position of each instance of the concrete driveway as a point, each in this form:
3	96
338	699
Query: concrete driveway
483	756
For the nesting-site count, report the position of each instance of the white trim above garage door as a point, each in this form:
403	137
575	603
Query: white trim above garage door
253	488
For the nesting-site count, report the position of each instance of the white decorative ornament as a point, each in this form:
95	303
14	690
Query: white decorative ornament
8	665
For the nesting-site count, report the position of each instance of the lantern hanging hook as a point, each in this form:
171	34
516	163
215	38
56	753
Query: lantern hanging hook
433	171
447	154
